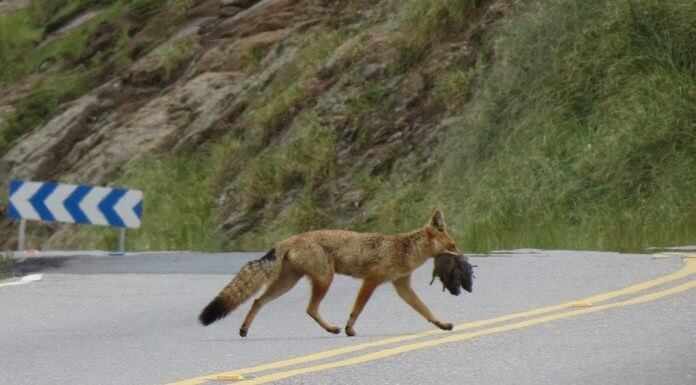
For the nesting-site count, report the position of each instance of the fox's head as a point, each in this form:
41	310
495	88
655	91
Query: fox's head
442	242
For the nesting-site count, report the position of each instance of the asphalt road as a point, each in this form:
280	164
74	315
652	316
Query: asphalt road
132	320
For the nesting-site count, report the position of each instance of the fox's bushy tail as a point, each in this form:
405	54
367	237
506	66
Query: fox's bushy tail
247	282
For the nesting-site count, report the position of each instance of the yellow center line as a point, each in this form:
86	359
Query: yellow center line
465	336
674	254
688	269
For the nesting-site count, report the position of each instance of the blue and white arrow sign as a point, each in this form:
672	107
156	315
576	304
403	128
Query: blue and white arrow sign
90	205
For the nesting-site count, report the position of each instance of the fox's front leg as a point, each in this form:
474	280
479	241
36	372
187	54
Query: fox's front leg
366	290
403	287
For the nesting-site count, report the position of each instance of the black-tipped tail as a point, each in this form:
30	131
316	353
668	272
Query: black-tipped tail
216	309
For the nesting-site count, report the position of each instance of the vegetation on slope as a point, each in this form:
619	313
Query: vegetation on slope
583	134
65	67
179	204
571	125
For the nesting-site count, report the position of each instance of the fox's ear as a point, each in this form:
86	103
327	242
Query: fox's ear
438	220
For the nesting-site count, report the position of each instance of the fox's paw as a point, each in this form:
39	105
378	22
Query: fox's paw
333	329
350	332
444	325
243	332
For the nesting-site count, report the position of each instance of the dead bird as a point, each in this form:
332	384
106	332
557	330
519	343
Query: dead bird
455	272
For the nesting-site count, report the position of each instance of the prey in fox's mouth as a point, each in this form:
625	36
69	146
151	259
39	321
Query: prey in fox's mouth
454	271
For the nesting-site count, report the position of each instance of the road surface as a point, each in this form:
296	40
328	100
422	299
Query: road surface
132	320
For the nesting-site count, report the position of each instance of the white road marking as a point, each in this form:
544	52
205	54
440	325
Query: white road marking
26	279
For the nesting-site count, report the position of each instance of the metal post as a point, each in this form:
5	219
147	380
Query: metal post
22	228
122	240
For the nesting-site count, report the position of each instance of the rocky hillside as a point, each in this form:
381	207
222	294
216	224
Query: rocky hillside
245	121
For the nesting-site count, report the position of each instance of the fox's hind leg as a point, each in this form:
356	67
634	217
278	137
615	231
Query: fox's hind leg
287	279
320	285
310	259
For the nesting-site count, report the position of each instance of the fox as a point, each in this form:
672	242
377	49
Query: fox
375	258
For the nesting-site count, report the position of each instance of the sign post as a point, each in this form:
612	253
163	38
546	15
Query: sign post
122	240
81	204
22	230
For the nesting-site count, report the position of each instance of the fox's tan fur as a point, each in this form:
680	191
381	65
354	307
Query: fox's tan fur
375	258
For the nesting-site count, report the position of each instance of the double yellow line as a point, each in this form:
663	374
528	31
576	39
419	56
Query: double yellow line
447	337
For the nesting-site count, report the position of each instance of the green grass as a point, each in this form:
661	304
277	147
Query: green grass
178	208
452	88
423	24
298	166
255	55
583	136
180	6
56	13
21	30
260	171
16	35
275	107
4	260
24	59
37	105
172	57
57	82
62	73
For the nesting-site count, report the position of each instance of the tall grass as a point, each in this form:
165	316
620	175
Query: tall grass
178	208
583	133
28	28
16	35
580	135
425	23
296	168
273	108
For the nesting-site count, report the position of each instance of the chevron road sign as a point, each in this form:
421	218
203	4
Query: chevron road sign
83	204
